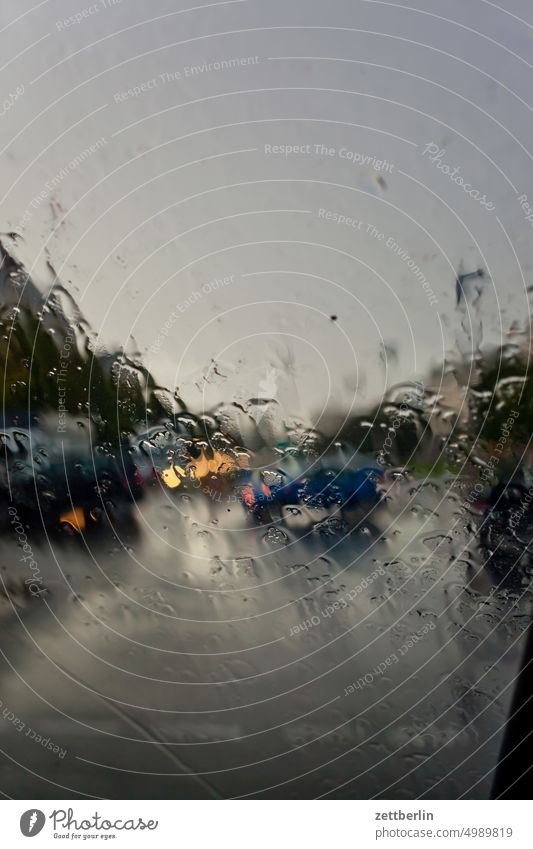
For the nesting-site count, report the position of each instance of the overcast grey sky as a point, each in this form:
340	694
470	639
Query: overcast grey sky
219	181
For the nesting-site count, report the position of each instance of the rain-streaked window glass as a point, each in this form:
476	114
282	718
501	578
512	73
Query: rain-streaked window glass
266	480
